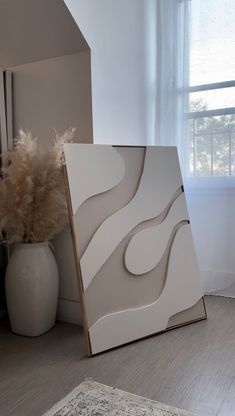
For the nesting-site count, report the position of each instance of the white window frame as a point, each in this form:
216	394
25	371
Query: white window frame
209	113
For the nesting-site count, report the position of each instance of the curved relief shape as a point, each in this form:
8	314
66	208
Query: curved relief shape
116	288
107	203
92	169
145	205
180	293
147	247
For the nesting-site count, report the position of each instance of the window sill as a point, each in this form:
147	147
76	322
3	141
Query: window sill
210	185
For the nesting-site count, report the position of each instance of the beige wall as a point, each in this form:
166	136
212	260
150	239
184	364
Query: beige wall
33	30
48	94
53	93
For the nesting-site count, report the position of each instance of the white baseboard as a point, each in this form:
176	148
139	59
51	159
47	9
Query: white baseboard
218	283
69	311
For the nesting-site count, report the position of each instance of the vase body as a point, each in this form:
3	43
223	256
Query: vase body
32	285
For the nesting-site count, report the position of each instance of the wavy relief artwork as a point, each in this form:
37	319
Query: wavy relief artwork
107	203
139	261
85	166
170	220
181	291
147	246
149	202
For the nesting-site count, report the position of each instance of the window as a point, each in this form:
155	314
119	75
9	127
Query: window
210	96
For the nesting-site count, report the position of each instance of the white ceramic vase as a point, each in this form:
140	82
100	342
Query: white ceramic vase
32	285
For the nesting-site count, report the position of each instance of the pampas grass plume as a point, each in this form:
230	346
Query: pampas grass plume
32	192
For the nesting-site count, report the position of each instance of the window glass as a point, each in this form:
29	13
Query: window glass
212	146
212	99
212	60
212	51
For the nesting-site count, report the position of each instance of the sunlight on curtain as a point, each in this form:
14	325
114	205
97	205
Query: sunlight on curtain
186	33
166	72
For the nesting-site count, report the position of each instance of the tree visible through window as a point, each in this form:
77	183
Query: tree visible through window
211	93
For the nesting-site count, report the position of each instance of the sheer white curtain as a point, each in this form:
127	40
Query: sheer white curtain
167	57
211	202
172	73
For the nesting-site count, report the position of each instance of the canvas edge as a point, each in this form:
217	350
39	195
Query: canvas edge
77	264
155	334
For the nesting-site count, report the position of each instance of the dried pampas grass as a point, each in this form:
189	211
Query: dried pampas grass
32	192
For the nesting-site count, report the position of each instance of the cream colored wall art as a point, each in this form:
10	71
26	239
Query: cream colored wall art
136	262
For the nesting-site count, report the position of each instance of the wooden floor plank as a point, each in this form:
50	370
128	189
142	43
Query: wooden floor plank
192	367
227	407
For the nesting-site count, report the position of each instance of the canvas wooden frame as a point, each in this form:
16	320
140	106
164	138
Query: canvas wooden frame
195	310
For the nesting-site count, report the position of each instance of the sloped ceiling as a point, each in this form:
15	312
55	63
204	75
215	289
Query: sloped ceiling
33	30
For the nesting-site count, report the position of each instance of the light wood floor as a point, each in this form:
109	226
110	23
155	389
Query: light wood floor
192	367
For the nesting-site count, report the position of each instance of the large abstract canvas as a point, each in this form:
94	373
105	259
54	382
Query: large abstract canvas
136	262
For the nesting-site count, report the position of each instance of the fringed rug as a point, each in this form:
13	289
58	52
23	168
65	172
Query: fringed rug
95	399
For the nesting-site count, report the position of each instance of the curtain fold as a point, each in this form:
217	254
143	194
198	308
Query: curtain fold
211	207
166	72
